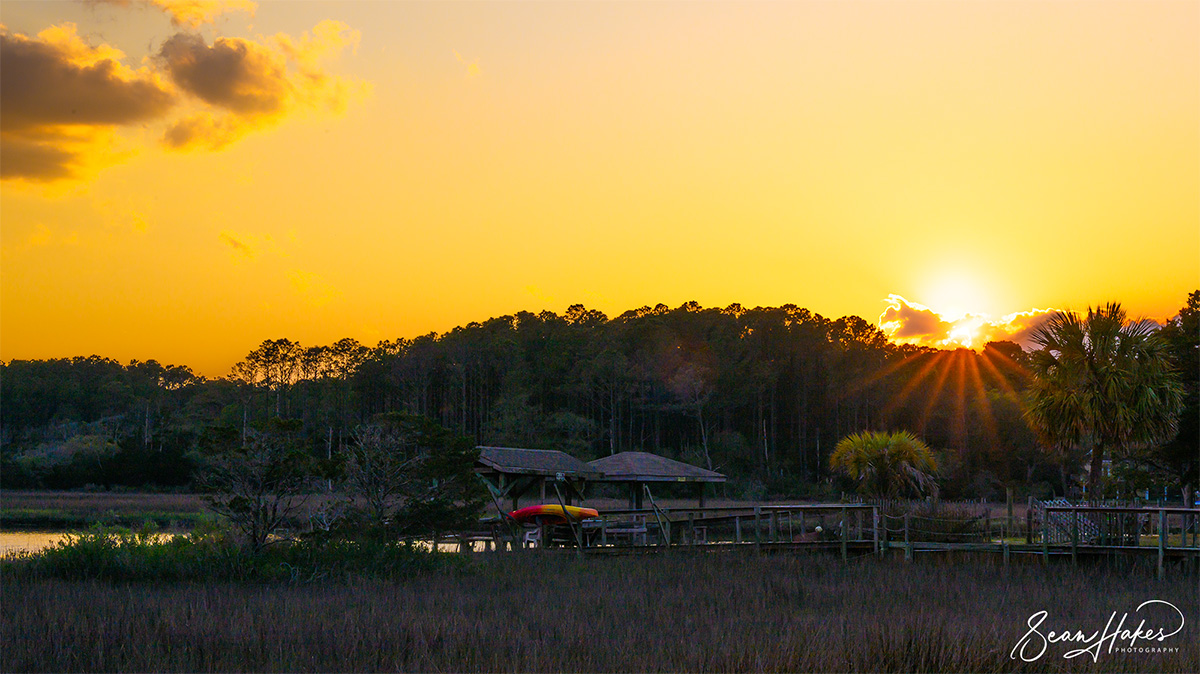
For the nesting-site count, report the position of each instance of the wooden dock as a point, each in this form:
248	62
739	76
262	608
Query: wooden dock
1168	535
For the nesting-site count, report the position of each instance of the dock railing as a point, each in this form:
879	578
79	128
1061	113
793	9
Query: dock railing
1047	529
1088	528
838	525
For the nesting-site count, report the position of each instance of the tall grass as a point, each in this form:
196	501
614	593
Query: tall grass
543	612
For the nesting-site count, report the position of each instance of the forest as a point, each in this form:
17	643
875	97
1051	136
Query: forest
762	395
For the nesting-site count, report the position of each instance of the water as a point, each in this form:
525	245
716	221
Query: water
16	542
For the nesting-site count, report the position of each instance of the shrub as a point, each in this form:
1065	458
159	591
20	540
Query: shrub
213	554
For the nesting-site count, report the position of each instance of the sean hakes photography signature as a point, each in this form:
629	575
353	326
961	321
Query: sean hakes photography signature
1158	624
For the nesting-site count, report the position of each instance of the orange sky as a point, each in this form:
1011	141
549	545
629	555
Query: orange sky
203	176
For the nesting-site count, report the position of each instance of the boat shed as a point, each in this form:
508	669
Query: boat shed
510	472
639	468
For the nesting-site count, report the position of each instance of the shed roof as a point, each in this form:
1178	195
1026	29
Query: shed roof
647	467
517	461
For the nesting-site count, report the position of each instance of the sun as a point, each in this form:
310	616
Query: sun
967	331
955	295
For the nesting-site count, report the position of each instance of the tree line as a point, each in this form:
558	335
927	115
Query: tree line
763	395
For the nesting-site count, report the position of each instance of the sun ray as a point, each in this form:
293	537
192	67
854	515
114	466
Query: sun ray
936	392
958	400
1002	380
981	400
913	382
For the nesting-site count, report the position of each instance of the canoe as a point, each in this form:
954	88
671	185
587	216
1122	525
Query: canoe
552	514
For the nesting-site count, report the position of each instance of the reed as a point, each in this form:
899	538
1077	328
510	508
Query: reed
546	612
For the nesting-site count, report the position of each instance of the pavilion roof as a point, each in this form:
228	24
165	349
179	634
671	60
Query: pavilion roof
549	462
647	467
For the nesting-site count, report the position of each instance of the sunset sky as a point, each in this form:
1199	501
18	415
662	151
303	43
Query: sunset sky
182	180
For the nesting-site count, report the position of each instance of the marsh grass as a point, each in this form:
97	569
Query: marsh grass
545	612
58	510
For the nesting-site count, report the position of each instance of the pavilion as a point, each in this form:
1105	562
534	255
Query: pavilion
511	472
639	468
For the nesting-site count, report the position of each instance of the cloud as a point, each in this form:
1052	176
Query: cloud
237	244
44	236
314	289
60	98
195	13
472	67
249	84
238	75
189	13
903	319
1018	327
327	38
203	129
908	322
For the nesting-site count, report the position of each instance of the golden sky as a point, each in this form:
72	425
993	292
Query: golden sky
183	179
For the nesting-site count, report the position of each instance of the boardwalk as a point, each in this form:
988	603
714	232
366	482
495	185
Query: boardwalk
1051	531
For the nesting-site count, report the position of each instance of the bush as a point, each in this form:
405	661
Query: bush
212	554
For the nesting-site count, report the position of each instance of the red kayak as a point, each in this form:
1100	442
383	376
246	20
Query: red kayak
552	514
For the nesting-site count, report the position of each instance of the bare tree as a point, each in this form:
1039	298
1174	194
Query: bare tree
413	476
379	470
260	486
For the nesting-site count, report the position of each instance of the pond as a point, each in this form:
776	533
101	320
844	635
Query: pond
16	542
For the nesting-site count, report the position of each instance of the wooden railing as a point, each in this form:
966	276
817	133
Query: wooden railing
843	524
1046	530
1117	528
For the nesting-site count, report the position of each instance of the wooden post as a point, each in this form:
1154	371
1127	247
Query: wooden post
773	525
907	540
604	531
1029	522
1162	542
875	530
803	528
1045	536
1009	522
576	527
692	527
1074	536
1005	546
757	527
737	528
845	533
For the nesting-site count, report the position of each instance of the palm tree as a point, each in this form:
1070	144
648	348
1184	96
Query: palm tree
886	464
1102	381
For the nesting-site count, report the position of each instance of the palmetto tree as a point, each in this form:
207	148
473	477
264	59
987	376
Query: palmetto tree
1103	381
886	464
